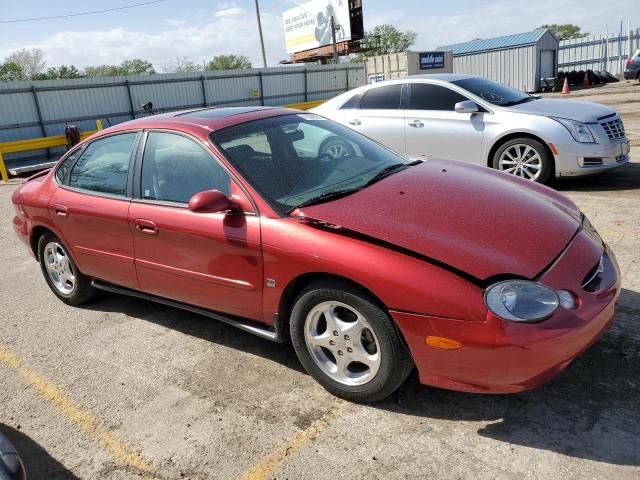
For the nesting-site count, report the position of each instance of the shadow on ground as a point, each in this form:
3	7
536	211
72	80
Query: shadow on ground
590	411
626	177
37	462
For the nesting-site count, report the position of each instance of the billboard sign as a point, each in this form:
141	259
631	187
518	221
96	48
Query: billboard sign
431	60
308	25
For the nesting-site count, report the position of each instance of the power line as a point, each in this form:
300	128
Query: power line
94	12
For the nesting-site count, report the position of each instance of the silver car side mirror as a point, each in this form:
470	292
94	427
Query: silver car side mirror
466	107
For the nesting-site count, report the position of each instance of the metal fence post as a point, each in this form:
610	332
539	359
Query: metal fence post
261	88
133	112
306	85
39	112
204	91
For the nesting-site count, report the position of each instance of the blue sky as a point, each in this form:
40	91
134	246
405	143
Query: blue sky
200	29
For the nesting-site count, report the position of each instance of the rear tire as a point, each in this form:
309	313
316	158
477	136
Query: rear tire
348	343
526	158
61	273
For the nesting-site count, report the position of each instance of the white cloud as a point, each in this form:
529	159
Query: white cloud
229	12
234	31
175	23
502	17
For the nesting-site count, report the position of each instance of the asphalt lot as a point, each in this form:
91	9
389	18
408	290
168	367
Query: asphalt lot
124	389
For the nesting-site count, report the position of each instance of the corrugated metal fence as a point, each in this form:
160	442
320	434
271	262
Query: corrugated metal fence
608	52
43	108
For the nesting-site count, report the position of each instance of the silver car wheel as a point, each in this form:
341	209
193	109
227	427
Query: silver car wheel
521	160
342	343
59	268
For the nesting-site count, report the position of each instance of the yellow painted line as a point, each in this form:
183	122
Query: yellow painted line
82	419
263	469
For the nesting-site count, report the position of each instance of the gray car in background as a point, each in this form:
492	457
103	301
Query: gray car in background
472	119
632	70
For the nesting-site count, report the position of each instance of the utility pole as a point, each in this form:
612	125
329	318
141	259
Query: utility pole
333	39
264	55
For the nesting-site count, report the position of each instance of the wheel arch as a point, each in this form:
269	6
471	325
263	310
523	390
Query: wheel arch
37	232
512	136
299	283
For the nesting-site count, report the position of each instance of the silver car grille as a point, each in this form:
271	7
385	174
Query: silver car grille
614	129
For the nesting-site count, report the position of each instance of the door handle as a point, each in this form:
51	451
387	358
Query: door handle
146	226
355	121
61	210
416	124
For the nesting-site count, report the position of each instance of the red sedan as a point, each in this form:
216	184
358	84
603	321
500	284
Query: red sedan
290	226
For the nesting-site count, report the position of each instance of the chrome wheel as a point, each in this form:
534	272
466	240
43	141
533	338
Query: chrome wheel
342	343
521	160
59	268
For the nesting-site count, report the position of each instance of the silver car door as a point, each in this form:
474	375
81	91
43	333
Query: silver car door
379	115
435	129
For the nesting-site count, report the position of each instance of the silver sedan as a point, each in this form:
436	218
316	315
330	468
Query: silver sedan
468	118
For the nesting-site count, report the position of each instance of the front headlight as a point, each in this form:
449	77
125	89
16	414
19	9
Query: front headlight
579	131
521	300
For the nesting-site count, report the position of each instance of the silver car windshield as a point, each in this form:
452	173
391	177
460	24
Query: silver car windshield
494	92
304	158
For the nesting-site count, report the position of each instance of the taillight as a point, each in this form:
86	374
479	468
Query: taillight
630	61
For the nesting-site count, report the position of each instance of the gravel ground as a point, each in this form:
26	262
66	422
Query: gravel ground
123	389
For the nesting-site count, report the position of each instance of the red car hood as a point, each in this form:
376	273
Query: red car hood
471	218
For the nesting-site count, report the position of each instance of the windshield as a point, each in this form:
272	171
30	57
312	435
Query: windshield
299	159
494	92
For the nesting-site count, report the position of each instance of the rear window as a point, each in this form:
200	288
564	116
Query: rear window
382	98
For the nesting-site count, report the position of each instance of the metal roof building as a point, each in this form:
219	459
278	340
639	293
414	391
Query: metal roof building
519	60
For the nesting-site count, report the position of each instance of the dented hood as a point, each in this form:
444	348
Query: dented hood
474	219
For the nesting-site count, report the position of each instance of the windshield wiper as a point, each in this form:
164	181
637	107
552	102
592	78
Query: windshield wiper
388	170
518	102
326	197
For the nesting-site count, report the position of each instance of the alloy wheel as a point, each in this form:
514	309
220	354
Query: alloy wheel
521	160
342	343
59	268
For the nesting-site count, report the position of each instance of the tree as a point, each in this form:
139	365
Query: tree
565	31
62	72
11	72
30	61
135	66
229	62
385	39
180	65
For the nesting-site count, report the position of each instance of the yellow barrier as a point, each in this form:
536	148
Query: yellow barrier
61	141
36	144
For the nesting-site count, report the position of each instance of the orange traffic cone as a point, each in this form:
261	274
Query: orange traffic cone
565	87
585	80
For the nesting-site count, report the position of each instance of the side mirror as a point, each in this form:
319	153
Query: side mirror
467	107
211	201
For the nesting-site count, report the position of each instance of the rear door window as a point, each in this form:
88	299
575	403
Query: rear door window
382	98
103	167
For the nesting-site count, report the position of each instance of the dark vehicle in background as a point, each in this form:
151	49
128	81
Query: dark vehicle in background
632	70
11	467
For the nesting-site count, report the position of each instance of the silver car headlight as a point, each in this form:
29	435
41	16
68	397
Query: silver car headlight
579	131
521	300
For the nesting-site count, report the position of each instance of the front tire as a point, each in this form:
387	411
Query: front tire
61	273
526	158
348	343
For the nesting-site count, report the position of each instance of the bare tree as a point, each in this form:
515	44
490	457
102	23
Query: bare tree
31	62
179	65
